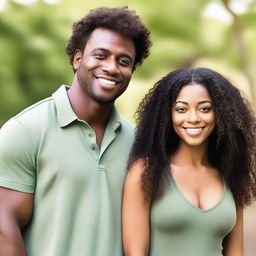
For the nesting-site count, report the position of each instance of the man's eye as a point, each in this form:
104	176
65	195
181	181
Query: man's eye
99	55
125	62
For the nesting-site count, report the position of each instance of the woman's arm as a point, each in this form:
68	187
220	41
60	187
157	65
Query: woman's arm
135	215
233	244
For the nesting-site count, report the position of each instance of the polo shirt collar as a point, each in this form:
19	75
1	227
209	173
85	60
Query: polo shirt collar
114	120
65	113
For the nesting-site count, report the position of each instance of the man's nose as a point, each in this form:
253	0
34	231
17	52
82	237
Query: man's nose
111	66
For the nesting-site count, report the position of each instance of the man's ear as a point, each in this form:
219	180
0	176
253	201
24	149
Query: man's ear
77	59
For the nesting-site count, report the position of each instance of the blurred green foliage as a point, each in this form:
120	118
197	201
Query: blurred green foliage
32	56
33	38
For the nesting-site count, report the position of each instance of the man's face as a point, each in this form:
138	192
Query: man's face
105	67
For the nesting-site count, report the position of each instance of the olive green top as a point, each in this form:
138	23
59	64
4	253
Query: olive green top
78	186
179	228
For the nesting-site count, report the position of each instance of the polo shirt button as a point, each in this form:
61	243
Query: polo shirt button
90	134
93	148
101	167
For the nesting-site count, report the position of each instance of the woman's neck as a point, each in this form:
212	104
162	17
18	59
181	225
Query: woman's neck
193	156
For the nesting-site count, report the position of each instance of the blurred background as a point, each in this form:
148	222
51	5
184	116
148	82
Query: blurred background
219	34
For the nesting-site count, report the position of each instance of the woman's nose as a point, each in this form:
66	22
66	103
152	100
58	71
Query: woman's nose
194	117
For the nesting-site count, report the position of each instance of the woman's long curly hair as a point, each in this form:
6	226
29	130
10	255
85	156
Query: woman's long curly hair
231	146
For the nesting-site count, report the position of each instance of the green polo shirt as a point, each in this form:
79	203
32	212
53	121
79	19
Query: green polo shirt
77	186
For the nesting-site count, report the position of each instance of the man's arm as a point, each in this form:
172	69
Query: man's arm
15	212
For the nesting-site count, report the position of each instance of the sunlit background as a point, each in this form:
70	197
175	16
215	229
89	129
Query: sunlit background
219	34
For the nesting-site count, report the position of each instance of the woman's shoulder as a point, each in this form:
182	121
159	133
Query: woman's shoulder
137	168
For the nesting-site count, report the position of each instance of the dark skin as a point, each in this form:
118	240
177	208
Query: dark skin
16	210
103	72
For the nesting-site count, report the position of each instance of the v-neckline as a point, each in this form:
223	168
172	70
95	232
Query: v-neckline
191	204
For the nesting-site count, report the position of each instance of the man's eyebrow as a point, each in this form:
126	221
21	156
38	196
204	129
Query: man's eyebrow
100	49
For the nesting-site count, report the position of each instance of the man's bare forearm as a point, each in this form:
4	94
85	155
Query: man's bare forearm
11	241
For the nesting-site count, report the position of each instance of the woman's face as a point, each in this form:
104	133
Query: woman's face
193	115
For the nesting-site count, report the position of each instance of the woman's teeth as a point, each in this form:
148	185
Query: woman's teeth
193	130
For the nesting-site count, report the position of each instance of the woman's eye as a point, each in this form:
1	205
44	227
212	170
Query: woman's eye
205	109
181	110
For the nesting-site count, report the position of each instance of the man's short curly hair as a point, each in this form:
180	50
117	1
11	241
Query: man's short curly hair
121	20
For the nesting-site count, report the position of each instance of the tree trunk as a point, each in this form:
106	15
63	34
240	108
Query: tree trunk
242	51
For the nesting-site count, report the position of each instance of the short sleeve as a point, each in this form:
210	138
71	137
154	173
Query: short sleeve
17	158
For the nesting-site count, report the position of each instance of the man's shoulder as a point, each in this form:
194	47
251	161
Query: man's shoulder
126	125
36	109
33	118
125	122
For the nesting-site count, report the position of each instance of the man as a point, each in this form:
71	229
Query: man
63	160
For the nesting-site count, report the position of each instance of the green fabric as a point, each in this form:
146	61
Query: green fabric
47	151
179	228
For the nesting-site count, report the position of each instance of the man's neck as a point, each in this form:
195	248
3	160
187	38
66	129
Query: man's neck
95	114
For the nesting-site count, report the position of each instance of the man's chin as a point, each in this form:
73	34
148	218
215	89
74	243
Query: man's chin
105	101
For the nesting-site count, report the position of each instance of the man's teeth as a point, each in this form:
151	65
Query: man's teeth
193	130
106	81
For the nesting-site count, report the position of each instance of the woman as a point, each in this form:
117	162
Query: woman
191	168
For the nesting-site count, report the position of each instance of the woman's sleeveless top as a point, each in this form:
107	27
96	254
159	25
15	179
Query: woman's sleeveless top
178	228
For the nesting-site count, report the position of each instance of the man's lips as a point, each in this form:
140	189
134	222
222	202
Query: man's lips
108	80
